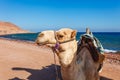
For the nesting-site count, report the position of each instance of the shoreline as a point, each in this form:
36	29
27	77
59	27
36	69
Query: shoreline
33	42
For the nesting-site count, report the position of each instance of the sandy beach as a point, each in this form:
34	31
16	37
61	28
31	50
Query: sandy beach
26	61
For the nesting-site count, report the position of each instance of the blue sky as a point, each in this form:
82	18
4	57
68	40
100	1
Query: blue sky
38	15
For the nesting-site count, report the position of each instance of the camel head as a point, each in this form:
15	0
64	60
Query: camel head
52	37
67	43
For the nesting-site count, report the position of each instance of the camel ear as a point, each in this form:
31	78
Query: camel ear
73	34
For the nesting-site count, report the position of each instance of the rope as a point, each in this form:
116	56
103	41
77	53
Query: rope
56	70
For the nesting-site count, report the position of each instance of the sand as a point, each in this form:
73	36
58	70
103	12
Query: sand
26	61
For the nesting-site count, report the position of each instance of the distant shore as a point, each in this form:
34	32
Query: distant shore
25	60
10	28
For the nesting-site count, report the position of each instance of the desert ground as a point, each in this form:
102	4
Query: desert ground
20	60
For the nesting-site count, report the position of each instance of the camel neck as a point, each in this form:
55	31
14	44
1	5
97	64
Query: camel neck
66	57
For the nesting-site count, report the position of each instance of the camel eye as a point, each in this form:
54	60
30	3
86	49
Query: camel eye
61	36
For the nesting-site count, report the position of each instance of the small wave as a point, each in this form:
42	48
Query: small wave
107	51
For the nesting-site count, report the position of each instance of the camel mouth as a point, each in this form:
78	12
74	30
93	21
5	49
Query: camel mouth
40	44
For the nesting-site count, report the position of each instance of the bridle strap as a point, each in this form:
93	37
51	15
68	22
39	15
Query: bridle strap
67	41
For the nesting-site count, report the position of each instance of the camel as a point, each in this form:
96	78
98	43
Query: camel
75	64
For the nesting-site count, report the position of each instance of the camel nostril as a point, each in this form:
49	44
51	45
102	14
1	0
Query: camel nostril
37	43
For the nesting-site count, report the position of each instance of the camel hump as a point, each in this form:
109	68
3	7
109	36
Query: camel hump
92	43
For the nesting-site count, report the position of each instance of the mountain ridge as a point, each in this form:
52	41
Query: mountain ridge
10	28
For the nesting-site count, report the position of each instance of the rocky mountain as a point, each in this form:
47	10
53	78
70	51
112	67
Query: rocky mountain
10	28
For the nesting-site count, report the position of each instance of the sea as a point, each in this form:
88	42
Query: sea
109	40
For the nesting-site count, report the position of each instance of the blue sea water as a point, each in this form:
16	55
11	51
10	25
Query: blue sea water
109	40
